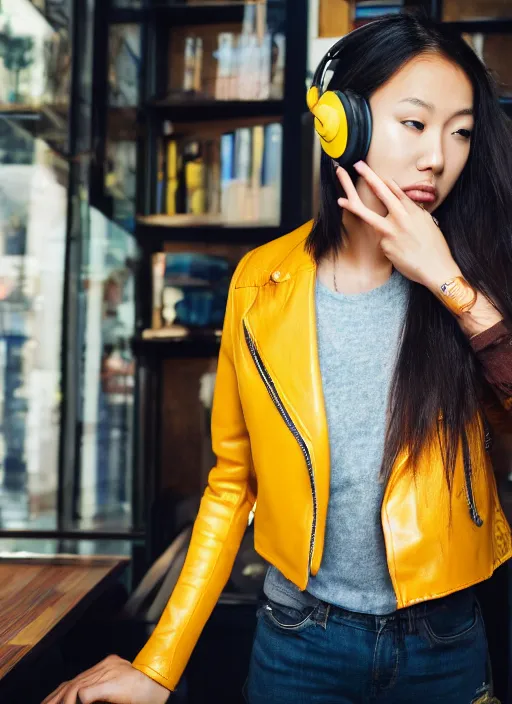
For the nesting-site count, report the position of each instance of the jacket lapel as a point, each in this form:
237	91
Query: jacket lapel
282	323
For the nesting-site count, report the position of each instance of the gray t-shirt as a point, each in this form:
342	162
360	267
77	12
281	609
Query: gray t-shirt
358	338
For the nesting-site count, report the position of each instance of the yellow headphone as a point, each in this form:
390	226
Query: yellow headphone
343	119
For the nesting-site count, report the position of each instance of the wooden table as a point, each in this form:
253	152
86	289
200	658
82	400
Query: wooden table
41	597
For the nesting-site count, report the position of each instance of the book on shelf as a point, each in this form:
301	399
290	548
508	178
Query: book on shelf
227	169
367	10
189	291
235	176
195	198
172	177
193	61
158	273
277	66
212	176
228	62
225	65
270	192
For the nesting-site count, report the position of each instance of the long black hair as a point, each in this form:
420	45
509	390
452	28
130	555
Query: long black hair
437	383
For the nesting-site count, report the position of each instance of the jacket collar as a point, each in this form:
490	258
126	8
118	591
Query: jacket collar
279	260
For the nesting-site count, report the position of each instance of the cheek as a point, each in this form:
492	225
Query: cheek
389	145
454	166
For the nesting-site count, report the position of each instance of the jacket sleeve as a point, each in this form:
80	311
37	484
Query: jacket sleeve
218	529
493	347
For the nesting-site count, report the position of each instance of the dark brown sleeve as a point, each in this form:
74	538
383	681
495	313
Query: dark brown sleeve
493	347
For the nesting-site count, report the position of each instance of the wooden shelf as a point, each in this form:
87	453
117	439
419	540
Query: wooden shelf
485	26
204	13
153	230
198	345
178	332
188	220
201	110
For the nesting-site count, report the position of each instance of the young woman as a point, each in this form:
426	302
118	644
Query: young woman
365	363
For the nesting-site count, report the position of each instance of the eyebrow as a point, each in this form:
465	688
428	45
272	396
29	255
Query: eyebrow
431	108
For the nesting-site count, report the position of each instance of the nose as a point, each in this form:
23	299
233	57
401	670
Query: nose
432	155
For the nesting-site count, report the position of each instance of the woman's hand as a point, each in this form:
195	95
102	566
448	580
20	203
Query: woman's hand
409	237
112	680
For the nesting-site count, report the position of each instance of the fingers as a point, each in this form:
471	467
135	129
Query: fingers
376	221
71	695
396	190
346	183
381	189
354	203
101	692
66	693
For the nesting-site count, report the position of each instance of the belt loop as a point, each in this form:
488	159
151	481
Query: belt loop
326	615
412	621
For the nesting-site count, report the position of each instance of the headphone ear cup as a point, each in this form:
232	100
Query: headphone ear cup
331	122
359	128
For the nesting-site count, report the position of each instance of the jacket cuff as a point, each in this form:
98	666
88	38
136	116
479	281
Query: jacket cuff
153	674
492	336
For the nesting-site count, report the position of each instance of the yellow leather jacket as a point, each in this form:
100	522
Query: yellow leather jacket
270	437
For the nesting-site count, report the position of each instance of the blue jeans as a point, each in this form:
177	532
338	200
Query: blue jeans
430	652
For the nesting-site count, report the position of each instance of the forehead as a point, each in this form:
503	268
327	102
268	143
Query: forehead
432	78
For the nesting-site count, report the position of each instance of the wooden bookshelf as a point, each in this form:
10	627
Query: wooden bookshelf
200	110
153	237
165	111
176	342
483	26
457	10
206	221
176	15
335	18
178	332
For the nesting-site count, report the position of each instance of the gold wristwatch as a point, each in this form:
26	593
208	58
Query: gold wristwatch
458	295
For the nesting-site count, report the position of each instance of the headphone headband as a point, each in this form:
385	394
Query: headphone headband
332	54
343	119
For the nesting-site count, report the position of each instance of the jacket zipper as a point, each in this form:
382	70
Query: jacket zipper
267	380
468	472
488	435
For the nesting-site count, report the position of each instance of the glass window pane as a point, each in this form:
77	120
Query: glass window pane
124	64
121	172
121	150
33	192
35	68
106	460
454	10
495	50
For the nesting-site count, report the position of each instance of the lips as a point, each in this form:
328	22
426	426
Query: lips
421	192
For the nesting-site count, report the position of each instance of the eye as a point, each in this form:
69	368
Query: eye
415	122
464	133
